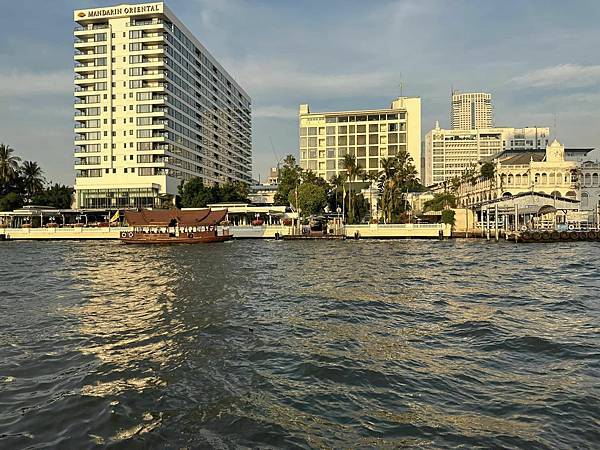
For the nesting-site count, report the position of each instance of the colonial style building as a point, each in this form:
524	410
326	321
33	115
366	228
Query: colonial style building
369	135
153	109
549	173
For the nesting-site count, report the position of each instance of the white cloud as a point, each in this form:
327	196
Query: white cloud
277	77
17	83
562	75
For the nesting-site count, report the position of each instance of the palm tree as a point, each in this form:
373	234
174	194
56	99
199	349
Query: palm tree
9	165
353	172
33	179
389	167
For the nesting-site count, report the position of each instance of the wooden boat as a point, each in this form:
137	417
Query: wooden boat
175	226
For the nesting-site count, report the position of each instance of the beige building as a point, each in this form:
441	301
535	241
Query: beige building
471	111
449	152
369	135
153	108
547	173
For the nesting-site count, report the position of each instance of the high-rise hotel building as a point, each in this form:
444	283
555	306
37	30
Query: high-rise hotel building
153	108
471	111
369	135
448	153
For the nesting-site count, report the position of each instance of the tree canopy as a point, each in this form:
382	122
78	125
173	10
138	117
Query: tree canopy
24	183
194	194
289	179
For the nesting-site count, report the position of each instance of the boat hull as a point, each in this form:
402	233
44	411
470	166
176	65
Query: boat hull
195	238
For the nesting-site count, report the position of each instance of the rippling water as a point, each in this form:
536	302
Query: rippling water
300	344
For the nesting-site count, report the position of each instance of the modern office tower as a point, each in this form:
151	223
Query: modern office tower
471	111
153	108
369	135
449	152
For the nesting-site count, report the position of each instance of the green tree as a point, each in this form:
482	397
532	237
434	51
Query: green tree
194	194
335	192
33	179
353	172
234	192
312	198
398	177
440	201
57	196
488	171
448	216
10	201
289	179
9	165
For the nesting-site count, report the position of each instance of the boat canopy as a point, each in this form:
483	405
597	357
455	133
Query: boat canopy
174	217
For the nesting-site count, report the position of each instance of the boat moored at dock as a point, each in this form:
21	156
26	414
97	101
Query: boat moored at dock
176	226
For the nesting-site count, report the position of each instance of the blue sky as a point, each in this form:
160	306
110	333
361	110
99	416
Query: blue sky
537	58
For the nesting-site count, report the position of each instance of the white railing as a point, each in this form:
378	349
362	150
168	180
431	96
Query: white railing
399	225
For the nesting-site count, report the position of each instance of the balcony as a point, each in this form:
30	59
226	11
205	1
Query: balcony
91	161
87	149
91	27
149	24
84	101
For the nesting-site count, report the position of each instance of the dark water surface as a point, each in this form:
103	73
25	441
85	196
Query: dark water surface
300	345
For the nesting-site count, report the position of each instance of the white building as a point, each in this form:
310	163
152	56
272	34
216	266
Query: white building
369	135
471	110
449	152
153	108
548	173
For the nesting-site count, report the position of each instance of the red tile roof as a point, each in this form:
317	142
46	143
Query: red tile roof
166	217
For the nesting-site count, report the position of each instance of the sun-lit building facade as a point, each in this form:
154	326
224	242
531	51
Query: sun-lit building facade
369	135
471	110
153	108
448	153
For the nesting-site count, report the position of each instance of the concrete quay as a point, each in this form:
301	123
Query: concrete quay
371	231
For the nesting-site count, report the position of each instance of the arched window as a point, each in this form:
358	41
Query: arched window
587	179
584	200
537	178
551	178
518	179
510	179
595	179
544	179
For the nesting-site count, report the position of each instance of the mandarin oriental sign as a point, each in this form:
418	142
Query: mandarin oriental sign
121	11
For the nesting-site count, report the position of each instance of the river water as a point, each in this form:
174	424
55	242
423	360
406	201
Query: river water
370	344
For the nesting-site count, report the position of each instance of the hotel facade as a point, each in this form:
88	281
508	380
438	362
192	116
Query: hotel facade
449	152
153	109
368	135
471	111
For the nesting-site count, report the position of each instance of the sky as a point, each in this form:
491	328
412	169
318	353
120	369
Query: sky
539	59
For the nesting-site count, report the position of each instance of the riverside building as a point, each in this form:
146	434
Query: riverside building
471	110
449	152
153	108
369	135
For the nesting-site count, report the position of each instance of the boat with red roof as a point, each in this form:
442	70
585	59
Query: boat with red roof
175	226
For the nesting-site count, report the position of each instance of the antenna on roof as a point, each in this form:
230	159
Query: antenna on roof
400	84
555	126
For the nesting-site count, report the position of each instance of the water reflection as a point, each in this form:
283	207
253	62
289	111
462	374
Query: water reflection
345	344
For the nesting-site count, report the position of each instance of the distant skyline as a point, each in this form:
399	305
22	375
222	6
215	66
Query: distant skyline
536	58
